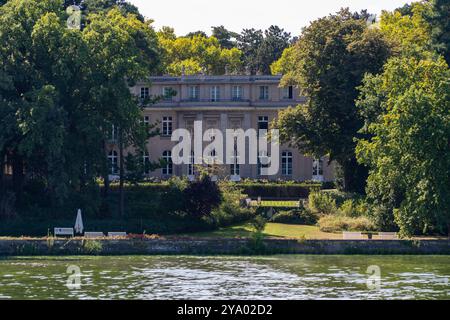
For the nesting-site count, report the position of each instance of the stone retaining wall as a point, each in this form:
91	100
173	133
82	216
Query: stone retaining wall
218	246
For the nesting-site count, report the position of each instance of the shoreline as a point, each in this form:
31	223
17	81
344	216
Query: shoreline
217	246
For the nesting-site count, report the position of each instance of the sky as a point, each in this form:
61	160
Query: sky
292	15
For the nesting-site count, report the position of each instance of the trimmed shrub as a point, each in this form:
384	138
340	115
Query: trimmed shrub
336	223
296	216
278	190
322	203
354	208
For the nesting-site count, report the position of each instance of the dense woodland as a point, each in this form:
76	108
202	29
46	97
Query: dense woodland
378	101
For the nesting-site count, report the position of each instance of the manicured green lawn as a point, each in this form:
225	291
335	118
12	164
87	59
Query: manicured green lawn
272	230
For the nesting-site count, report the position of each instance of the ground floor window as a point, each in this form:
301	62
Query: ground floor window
168	168
262	162
112	158
191	167
146	162
286	163
317	167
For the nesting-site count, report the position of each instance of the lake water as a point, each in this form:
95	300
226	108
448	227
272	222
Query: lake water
186	277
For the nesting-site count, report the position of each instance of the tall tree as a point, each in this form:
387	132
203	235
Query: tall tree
226	38
58	95
439	19
407	110
272	47
193	55
330	60
249	42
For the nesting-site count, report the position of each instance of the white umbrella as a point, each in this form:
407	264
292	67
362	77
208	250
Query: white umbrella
79	223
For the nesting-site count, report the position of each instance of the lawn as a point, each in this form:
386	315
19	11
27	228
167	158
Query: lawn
272	230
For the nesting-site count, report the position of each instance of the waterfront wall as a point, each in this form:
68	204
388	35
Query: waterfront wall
218	247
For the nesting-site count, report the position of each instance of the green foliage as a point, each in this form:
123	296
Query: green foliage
438	17
261	49
231	211
297	216
59	98
408	155
196	54
354	208
330	60
92	246
337	223
278	190
408	32
258	224
322	203
201	197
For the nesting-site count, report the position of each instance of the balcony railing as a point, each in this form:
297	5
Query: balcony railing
216	100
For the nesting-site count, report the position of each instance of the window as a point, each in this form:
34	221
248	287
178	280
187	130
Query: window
168	169
145	93
263	93
147	120
237	93
191	167
194	92
263	123
112	158
288	93
215	93
317	167
167	126
286	163
114	133
168	93
146	162
262	158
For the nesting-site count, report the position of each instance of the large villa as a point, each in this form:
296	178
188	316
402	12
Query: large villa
221	102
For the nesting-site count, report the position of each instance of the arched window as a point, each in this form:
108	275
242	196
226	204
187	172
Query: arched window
112	158
286	163
167	157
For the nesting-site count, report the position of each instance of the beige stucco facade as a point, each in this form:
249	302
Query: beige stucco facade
224	102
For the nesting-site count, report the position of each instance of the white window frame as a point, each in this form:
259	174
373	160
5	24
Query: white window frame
167	126
168	169
287	91
317	169
286	163
145	92
264	93
237	93
114	133
113	159
215	93
194	93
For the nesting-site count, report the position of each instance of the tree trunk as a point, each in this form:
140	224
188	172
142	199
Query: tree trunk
122	173
18	176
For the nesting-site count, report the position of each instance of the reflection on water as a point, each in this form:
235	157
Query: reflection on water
186	277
